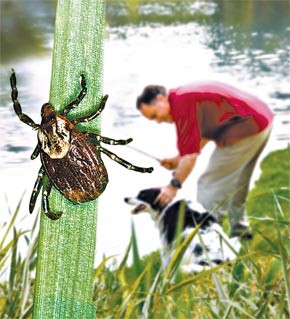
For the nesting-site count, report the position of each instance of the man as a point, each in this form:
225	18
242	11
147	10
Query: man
238	123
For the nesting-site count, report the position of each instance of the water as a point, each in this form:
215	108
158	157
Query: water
244	43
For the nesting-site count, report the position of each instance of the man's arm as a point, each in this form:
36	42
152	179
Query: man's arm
185	166
170	163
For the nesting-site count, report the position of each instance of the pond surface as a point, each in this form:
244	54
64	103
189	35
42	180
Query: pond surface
245	43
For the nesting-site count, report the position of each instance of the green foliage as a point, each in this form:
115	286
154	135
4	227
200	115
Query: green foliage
16	291
255	285
268	204
274	178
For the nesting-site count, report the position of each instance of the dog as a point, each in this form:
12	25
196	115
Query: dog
208	248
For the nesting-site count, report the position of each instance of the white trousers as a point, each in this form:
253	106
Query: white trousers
224	185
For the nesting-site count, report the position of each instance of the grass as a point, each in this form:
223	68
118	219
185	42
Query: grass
256	285
66	248
16	292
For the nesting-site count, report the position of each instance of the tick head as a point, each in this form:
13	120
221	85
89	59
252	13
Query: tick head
47	112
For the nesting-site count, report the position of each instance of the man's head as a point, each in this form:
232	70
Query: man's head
153	104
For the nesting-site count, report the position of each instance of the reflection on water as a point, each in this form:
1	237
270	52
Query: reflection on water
25	28
242	42
247	39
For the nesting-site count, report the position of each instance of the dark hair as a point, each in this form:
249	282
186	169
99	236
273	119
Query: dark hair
149	94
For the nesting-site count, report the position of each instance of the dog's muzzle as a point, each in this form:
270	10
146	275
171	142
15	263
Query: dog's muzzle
139	207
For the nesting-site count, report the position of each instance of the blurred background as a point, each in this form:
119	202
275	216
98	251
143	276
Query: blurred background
245	43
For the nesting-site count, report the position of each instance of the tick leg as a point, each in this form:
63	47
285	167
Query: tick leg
94	114
107	140
37	186
124	163
17	107
45	203
35	152
78	100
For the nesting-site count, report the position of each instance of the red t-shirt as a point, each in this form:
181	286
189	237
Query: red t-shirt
215	111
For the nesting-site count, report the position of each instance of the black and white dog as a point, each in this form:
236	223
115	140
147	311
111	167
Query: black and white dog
208	248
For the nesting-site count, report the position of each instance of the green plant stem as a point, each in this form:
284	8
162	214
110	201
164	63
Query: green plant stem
63	287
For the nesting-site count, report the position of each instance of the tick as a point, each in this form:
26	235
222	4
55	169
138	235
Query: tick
70	158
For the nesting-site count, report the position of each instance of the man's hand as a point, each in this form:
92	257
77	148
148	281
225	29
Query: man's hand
166	195
170	163
185	165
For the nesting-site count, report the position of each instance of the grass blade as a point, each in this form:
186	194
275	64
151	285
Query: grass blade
66	250
136	255
11	223
121	269
132	299
147	308
178	251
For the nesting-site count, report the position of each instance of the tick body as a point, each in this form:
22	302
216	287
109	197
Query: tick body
71	159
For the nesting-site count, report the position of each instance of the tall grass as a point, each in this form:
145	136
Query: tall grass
255	285
16	271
